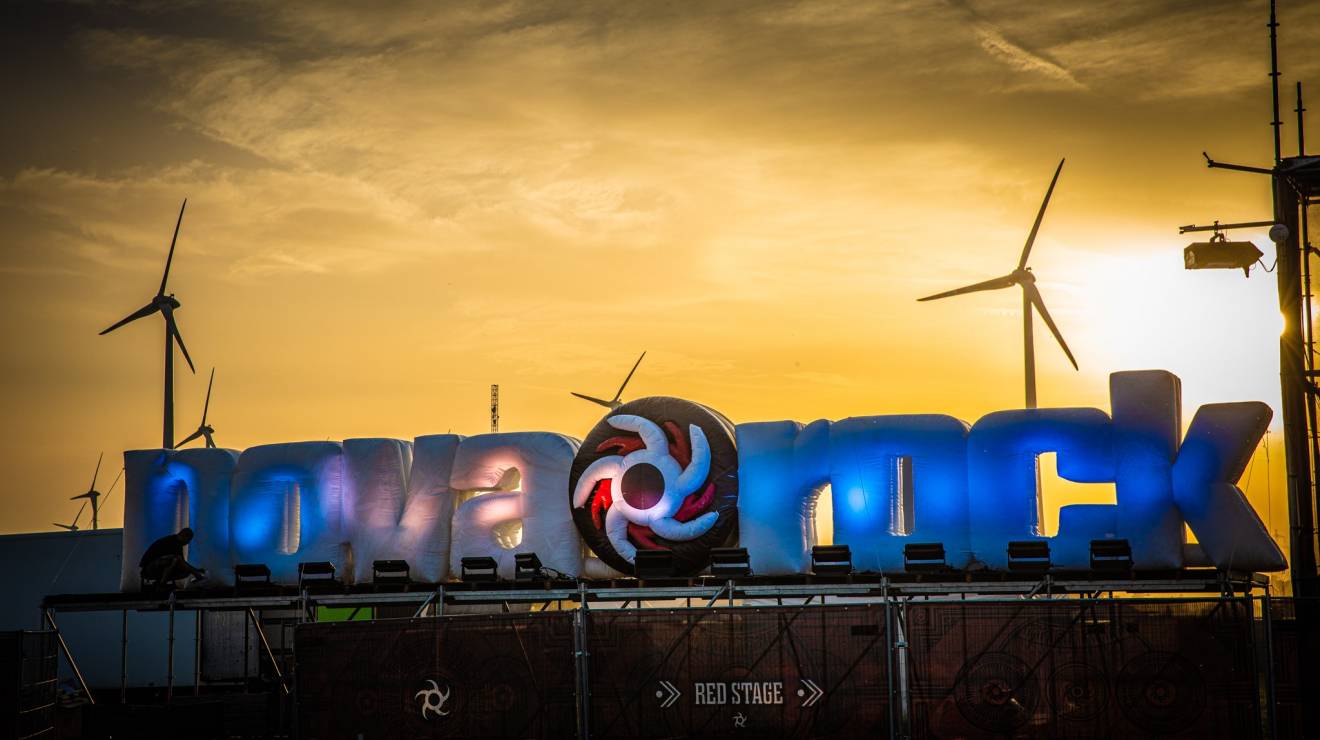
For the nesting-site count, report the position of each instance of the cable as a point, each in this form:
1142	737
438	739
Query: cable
1269	493
76	541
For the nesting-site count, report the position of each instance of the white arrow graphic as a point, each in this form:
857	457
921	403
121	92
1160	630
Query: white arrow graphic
667	701
816	692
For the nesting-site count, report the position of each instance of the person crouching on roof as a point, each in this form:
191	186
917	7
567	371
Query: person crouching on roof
163	562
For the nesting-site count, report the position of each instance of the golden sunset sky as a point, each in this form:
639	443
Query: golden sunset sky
389	211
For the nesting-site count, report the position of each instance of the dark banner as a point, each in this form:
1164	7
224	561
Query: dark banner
465	676
1085	670
1026	669
1295	639
805	672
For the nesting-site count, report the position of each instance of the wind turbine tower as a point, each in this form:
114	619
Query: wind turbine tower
494	408
165	304
1024	279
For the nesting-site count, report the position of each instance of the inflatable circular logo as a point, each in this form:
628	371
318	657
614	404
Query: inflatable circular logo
657	474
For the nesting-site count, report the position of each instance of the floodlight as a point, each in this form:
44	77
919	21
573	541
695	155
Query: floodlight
831	560
527	567
653	564
316	572
1029	556
390	571
1111	555
1220	254
924	556
251	574
479	570
730	562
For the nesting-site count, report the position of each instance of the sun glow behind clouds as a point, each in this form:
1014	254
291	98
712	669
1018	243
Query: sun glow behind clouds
1215	329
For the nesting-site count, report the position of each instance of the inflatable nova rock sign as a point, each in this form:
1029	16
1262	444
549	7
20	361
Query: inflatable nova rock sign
666	473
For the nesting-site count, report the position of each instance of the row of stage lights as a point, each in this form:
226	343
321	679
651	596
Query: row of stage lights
1110	556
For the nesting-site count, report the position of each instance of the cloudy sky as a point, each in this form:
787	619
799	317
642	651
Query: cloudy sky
388	212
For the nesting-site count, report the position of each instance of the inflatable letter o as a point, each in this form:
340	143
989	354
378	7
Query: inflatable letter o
657	473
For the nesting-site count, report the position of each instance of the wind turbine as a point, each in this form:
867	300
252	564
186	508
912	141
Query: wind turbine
166	305
73	527
94	496
1023	278
203	430
613	403
510	480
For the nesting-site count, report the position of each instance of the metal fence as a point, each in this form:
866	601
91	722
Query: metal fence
1066	668
27	669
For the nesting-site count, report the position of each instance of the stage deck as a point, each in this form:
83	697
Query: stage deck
807	589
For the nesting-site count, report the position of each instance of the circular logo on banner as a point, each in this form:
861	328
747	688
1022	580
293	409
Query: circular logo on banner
657	473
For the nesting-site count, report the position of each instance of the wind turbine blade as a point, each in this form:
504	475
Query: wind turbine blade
146	310
174	329
1031	238
173	241
210	443
81	509
594	400
189	438
630	374
1034	296
207	406
996	284
97	472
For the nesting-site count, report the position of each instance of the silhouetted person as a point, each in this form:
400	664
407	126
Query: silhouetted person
163	562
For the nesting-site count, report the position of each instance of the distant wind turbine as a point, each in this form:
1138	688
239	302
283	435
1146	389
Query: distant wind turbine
613	403
510	480
94	496
203	430
73	527
166	305
1023	278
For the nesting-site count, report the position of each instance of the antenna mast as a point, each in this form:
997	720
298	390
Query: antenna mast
494	408
1274	81
1301	123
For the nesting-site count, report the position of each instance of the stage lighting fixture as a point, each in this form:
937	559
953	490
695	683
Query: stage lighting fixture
390	571
251	574
730	562
924	557
1111	556
654	564
831	560
1029	556
527	567
479	570
316	572
1219	253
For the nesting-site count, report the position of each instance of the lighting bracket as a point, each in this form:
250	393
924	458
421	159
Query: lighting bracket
1217	227
1236	167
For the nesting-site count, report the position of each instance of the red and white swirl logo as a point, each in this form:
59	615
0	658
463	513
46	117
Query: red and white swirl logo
657	473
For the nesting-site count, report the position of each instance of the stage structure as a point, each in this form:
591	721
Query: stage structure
663	577
925	655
